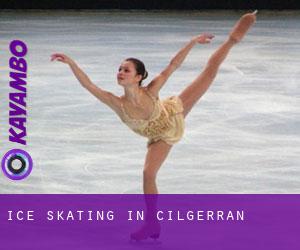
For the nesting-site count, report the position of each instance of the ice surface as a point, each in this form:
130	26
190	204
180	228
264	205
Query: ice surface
242	137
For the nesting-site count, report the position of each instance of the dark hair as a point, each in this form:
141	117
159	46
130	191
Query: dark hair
139	67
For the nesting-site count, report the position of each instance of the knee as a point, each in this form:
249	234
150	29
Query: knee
149	175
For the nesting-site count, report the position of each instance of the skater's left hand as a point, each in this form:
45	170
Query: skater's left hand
203	38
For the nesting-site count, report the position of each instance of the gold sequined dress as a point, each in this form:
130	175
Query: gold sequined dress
165	123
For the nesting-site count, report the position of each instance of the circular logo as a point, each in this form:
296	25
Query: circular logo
16	164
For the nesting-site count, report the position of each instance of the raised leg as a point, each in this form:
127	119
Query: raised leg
198	87
192	93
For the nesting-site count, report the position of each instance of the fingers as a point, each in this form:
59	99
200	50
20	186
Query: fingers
209	38
206	38
208	35
53	58
58	57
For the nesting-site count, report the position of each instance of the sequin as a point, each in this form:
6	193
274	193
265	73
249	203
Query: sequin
165	123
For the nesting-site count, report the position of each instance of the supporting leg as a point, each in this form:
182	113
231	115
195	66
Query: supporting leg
157	153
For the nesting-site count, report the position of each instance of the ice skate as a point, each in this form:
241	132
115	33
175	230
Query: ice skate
148	230
242	26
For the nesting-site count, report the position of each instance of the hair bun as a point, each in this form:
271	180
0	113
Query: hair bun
139	67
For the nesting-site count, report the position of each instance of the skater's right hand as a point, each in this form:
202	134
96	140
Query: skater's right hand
61	58
203	38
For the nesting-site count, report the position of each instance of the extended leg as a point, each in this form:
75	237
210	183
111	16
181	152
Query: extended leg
198	87
192	93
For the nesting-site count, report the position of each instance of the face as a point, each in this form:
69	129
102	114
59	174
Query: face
127	74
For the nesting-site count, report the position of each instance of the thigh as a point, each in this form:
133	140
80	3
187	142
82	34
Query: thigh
193	92
157	153
199	86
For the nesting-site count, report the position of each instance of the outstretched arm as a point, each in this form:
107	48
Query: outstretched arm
104	96
156	84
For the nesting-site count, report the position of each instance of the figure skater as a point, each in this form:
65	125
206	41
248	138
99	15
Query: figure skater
161	121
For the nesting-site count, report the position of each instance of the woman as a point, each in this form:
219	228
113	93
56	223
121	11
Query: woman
140	108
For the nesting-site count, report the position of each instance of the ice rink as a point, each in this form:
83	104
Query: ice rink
242	137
